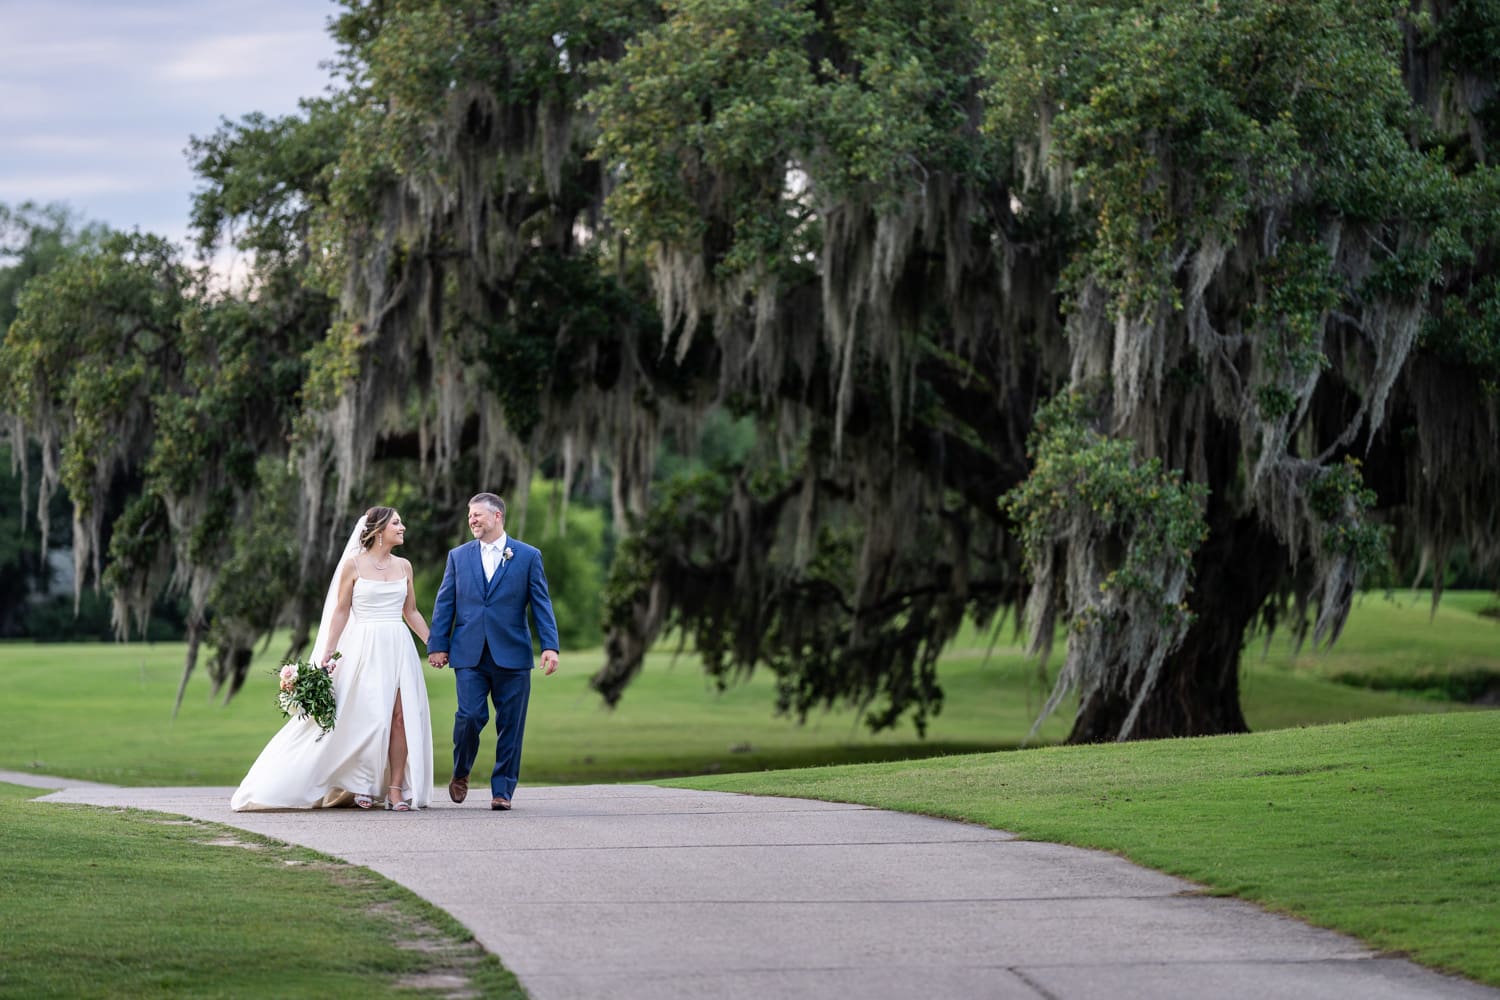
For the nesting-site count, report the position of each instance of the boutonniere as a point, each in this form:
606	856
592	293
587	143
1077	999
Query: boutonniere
505	556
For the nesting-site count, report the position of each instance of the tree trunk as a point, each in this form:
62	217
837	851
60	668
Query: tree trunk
1198	692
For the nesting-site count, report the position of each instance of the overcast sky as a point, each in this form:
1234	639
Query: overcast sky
98	98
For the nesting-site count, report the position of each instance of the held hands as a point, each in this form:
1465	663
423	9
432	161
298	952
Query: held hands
549	660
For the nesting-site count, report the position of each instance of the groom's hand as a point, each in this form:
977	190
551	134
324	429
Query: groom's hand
549	661
438	660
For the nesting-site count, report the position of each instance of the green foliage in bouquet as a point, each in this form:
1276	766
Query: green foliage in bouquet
306	688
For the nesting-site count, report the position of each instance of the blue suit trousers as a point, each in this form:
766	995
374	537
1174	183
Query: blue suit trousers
510	691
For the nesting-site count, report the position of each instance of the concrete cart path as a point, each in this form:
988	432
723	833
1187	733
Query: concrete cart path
631	891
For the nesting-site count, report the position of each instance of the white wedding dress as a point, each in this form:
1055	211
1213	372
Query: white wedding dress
378	658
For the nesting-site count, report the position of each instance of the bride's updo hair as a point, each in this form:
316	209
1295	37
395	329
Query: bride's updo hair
376	518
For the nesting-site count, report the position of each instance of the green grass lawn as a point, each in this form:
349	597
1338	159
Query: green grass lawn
123	903
103	711
1396	642
1387	829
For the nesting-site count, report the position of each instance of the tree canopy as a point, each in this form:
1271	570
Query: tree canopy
34	239
1157	320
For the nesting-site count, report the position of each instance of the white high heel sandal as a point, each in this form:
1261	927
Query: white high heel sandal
396	803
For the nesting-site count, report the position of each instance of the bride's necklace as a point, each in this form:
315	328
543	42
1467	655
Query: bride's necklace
381	566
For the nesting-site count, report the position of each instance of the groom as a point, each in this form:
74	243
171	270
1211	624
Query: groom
479	625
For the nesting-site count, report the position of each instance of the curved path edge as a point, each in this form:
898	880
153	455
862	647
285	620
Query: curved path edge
639	891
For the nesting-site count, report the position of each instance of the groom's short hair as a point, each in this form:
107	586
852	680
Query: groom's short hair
490	500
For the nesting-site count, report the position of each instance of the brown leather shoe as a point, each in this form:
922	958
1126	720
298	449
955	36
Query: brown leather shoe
458	788
499	803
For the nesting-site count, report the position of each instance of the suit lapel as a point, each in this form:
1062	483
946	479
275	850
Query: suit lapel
478	571
494	583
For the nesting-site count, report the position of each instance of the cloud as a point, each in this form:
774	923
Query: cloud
241	57
98	98
45	57
23	101
62	186
138	147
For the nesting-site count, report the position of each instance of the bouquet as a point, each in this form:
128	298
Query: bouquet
307	689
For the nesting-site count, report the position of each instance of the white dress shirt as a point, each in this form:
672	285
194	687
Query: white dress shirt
489	555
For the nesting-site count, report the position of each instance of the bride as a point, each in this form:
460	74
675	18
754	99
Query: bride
380	748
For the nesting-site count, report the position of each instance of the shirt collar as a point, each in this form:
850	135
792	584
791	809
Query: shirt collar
498	544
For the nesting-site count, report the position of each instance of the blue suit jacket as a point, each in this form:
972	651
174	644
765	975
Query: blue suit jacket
470	613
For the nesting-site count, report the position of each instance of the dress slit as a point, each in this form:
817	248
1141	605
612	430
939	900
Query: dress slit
298	770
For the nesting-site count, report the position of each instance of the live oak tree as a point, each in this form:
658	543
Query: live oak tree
161	406
165	409
1174	317
1221	230
34	239
1265	219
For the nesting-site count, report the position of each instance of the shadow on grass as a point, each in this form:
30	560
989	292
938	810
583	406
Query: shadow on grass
1471	686
743	758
